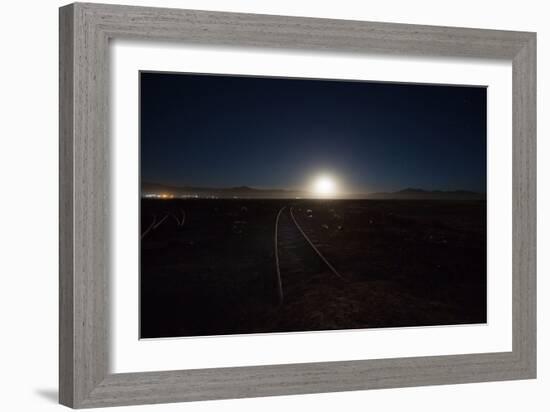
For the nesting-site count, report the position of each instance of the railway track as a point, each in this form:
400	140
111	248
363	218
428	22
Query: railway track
299	263
156	223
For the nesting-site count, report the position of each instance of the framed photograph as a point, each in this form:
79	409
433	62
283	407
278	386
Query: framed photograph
255	205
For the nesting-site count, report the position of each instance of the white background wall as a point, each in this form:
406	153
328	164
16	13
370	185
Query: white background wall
28	206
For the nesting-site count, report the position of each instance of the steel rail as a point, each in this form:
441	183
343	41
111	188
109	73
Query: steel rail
151	226
160	223
278	269
332	269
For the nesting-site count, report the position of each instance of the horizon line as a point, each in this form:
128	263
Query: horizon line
347	193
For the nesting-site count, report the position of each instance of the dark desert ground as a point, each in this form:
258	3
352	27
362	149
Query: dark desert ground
209	266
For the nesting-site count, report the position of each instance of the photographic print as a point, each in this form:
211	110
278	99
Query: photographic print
273	205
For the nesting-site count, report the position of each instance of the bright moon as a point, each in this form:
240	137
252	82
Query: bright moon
324	186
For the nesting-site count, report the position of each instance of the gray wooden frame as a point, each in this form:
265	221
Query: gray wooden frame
85	30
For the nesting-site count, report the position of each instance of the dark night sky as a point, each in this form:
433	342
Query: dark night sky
223	131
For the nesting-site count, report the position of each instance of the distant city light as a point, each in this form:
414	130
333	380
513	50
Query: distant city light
158	195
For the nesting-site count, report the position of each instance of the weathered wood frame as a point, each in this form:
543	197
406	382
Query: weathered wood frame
85	30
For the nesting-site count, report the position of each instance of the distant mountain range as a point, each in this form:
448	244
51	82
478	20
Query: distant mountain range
229	192
246	192
412	193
